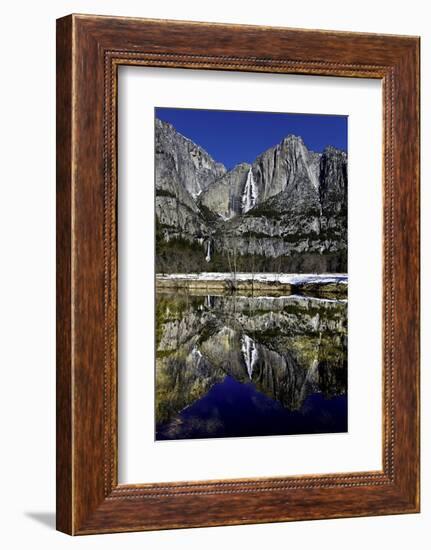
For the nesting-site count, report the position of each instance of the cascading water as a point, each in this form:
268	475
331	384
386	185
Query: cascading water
209	301
249	352
249	196
208	256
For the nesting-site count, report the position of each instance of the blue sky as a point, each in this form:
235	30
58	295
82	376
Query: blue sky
232	137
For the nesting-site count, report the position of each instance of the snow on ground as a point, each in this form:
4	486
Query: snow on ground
289	298
281	278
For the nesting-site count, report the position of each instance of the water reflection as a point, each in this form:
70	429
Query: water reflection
238	365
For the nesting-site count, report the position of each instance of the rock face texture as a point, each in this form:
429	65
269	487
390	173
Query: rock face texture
184	160
224	196
287	211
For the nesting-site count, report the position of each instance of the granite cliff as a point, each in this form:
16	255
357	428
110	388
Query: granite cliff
285	212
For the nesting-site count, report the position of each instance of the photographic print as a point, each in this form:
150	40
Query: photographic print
251	273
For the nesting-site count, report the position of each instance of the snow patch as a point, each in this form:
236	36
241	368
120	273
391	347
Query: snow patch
282	278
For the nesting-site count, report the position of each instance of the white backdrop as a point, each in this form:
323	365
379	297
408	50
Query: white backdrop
141	458
27	406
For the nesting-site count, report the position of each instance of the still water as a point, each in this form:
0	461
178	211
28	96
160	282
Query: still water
238	365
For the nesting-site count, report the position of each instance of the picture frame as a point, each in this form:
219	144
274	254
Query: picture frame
89	51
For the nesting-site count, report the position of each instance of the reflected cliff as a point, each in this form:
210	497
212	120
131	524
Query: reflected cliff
238	365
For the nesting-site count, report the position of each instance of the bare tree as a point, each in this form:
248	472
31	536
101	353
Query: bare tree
252	262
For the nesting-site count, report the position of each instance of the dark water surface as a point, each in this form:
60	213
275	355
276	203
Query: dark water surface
237	365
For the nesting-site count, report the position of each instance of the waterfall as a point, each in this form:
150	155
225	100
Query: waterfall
249	196
208	256
249	352
209	301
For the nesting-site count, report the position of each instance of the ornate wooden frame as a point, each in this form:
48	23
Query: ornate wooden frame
89	51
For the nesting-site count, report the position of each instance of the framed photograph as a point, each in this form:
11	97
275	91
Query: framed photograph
237	274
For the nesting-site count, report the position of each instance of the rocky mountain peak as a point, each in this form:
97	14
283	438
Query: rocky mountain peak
289	203
193	166
292	141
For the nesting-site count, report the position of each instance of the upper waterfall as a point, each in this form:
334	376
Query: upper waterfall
249	196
